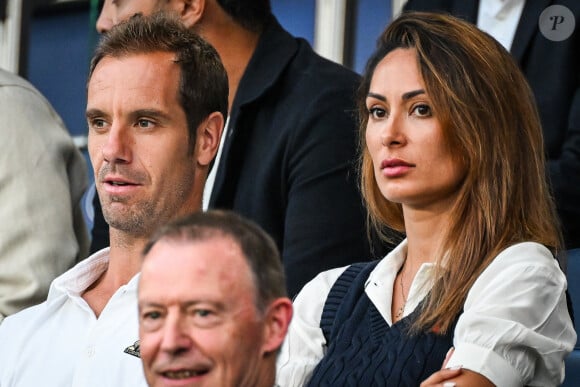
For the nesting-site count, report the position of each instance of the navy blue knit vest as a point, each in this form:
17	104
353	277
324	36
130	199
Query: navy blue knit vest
363	350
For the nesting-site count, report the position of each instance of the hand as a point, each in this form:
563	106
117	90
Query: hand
441	377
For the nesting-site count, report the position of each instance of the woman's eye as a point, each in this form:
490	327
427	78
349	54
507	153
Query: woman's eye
422	110
377	112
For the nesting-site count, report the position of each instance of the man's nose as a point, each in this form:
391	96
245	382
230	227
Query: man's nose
105	20
116	147
175	336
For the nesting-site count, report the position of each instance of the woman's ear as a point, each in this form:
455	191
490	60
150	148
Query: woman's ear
209	133
190	11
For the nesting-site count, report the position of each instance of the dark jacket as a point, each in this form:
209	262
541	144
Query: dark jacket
288	161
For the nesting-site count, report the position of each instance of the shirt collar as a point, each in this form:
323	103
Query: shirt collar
77	279
500	8
379	286
275	49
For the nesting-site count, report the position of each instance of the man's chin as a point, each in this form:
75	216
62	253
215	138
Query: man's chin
127	224
189	380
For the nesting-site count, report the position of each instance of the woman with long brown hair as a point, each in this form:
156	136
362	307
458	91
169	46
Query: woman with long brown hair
452	156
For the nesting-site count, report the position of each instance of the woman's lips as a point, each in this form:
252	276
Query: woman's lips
395	167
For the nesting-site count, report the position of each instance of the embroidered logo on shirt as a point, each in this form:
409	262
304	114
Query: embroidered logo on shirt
134	349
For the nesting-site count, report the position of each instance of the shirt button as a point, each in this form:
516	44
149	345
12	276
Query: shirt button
90	351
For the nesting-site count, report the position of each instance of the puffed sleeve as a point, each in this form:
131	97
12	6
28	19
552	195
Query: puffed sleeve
515	328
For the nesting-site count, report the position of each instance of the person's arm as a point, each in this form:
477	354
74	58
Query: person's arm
456	377
515	328
305	345
42	179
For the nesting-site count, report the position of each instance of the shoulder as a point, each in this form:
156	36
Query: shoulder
15	333
320	285
279	48
308	64
523	264
515	324
8	79
22	318
525	254
11	85
16	329
30	115
309	302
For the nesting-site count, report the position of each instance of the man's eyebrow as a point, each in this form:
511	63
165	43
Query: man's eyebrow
144	303
149	113
216	303
153	113
184	304
91	113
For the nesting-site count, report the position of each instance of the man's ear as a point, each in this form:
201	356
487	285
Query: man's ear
191	11
209	133
277	320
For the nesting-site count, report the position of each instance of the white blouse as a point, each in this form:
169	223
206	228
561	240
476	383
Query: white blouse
515	328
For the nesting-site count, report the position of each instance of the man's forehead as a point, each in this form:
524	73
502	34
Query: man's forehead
129	74
218	256
216	267
143	58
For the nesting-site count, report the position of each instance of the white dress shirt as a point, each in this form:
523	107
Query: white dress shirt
62	343
515	328
500	19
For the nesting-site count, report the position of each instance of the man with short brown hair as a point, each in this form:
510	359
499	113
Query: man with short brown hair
156	100
289	147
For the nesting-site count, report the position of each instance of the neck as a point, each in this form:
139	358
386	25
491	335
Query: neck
235	44
425	232
267	375
125	257
124	263
261	371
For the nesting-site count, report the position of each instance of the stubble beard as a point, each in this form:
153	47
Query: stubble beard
136	220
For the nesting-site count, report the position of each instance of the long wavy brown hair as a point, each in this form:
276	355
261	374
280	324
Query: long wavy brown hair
490	121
